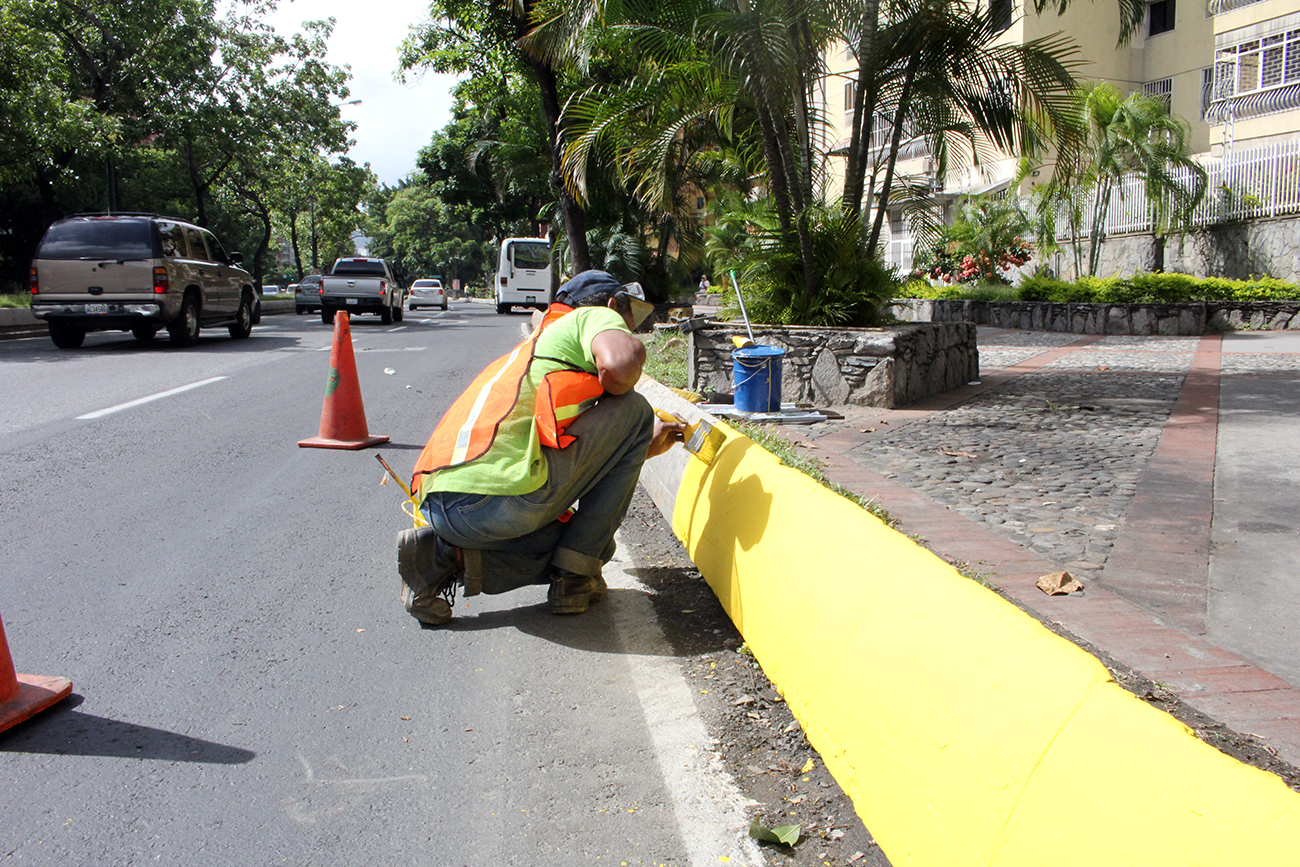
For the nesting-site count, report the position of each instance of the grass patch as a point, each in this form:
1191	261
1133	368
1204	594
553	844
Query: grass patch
665	360
15	299
788	455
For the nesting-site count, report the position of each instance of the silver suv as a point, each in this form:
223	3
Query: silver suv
138	273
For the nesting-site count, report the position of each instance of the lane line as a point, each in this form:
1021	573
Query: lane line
711	810
129	404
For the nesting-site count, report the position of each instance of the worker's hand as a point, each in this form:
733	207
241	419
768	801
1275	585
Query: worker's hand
666	433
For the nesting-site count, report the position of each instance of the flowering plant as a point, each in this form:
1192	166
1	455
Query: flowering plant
985	242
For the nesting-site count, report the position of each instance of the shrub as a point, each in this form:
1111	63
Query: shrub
985	242
1141	288
852	286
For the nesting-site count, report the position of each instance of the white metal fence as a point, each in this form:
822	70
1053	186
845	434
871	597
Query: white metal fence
1258	182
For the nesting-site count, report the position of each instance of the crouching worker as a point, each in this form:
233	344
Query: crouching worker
531	470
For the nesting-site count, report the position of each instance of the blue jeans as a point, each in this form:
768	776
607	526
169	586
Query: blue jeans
513	541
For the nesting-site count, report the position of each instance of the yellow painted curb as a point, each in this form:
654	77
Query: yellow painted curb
964	731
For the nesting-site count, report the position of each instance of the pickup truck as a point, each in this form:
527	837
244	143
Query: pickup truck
361	285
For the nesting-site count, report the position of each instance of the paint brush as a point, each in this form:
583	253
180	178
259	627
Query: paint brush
700	439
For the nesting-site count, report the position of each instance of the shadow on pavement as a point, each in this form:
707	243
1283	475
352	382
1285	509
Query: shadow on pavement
61	732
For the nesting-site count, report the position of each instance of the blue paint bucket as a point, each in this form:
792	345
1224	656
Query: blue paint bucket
756	372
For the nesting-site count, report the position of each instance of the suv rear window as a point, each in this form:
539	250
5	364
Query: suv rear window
98	239
366	269
426	284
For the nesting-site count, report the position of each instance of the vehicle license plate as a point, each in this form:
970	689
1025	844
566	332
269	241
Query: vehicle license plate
96	308
352	301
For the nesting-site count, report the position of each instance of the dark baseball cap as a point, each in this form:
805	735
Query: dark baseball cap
589	283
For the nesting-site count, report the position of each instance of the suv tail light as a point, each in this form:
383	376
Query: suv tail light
36	286
160	281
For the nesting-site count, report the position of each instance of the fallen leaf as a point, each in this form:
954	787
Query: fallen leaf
1059	584
807	766
406	717
856	856
1103	368
360	630
785	834
805	445
952	453
864	430
688	610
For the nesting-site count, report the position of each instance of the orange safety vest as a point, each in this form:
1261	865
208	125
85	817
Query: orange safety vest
468	429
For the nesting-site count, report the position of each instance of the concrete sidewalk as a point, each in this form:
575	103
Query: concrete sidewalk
1161	471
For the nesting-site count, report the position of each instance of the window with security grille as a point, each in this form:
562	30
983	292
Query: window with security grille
1160	17
1257	64
1162	90
850	91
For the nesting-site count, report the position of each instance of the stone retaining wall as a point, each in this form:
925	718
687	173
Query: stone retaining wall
1137	319
886	367
1240	249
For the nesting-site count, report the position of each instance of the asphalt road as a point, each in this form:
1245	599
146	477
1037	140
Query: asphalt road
248	690
1253	605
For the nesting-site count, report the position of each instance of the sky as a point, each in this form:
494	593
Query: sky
393	120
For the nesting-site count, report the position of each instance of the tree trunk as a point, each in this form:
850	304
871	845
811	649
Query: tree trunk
293	244
864	113
900	116
775	169
575	218
1100	208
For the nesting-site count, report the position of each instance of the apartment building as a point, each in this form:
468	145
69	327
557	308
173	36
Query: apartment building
1229	68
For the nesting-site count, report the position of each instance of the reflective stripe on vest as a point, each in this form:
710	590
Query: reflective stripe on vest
468	429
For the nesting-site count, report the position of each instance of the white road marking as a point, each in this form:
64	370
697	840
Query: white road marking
374	350
398	328
712	812
129	404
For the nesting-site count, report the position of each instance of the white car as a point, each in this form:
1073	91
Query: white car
427	292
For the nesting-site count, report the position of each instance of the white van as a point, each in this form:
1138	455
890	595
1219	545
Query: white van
523	277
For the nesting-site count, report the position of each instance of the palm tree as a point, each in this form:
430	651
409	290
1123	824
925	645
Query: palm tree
1116	137
458	38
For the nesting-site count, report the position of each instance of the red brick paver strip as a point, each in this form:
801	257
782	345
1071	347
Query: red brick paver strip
1161	557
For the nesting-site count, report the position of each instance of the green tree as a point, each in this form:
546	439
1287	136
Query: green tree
1117	136
470	37
743	78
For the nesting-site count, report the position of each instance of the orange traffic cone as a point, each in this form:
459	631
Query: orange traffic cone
25	695
343	417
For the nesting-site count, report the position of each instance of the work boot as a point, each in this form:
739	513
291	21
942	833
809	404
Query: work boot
428	567
573	594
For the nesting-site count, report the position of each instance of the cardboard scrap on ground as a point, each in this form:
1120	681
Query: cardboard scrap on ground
1059	584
